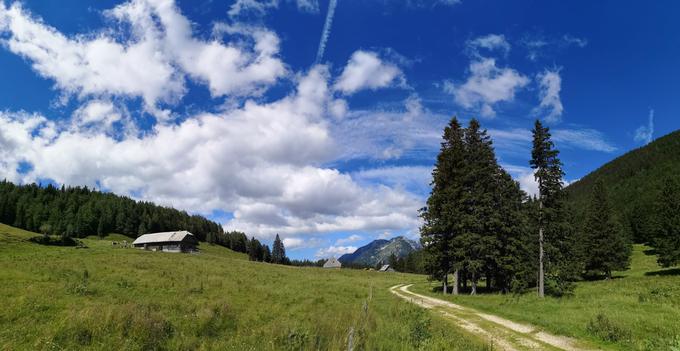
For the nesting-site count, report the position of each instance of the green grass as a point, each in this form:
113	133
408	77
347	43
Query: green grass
638	310
105	298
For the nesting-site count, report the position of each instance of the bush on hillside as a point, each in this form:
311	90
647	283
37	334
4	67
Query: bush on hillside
607	330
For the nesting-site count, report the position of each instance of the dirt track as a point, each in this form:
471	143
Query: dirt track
502	333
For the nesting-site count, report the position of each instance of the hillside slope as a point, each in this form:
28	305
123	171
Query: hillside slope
106	298
633	181
380	250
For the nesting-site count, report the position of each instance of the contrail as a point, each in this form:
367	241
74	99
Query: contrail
646	133
326	30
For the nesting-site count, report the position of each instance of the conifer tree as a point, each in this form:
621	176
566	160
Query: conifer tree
606	246
267	256
278	251
476	244
541	154
557	255
442	214
512	263
254	250
666	224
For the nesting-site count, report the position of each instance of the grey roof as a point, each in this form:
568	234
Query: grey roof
332	263
163	237
386	268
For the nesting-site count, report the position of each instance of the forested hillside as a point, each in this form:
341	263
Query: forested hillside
76	212
634	183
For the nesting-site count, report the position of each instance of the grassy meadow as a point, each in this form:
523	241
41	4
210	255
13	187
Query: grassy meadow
637	310
105	298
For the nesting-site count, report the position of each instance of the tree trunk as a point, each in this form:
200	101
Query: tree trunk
473	281
445	282
541	284
457	282
489	282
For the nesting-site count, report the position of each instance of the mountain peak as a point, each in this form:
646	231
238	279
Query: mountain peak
380	250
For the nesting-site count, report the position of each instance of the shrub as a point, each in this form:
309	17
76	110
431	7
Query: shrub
605	329
558	287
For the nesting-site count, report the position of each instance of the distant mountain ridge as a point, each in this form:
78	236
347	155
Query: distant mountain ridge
380	250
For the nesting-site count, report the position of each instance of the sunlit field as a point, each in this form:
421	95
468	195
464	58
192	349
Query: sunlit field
106	298
638	310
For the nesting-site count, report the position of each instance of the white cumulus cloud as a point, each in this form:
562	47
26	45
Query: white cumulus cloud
258	162
365	70
486	86
152	63
489	42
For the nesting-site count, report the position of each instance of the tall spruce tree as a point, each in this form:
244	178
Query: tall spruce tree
474	222
557	256
540	156
606	246
475	246
255	250
441	216
278	251
666	224
513	269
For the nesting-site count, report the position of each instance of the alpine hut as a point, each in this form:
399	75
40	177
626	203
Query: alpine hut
332	263
180	241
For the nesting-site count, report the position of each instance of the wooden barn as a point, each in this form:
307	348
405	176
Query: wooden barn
180	241
332	263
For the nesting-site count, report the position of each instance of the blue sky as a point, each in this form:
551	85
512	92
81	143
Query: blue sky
224	109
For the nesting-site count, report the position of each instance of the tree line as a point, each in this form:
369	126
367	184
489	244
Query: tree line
76	212
260	252
479	226
414	262
79	211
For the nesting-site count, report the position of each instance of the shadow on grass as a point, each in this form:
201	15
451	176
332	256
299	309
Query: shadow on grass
600	277
58	241
649	252
664	272
481	290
